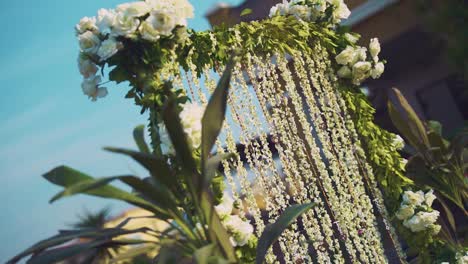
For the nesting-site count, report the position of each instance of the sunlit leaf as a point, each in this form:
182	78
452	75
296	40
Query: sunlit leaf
139	137
273	231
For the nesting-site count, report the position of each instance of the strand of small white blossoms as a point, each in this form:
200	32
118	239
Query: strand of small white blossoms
367	232
416	212
356	66
284	121
270	177
312	10
341	134
246	189
265	91
335	192
100	37
366	168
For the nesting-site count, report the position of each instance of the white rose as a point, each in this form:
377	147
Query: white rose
462	258
134	9
377	70
226	205
374	47
300	12
108	48
405	212
398	142
429	218
148	32
89	42
429	197
414	223
341	10
435	229
240	230
344	72
91	89
191	117
413	198
87	67
162	21
279	9
105	20
86	24
361	54
345	56
125	25
184	8
361	71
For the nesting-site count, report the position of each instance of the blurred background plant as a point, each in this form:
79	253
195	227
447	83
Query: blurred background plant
441	165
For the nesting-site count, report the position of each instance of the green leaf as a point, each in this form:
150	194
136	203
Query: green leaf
157	167
66	236
216	230
448	214
246	11
212	166
139	137
214	115
70	178
273	231
412	120
435	126
59	254
202	255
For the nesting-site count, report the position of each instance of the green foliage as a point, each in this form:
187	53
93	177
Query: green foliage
386	162
273	231
438	164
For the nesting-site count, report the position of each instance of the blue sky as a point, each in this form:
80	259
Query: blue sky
46	121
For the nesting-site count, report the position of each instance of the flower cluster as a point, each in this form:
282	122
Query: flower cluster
357	66
241	231
100	37
416	212
190	117
312	10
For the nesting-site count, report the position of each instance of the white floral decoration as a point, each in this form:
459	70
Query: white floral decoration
416	212
241	231
190	117
312	11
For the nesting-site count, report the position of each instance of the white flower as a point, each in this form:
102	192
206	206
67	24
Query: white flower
279	9
191	117
344	72
435	229
300	12
429	197
148	32
108	48
377	70
125	25
413	198
351	37
462	258
361	54
87	67
134	9
398	142
405	212
162	21
345	56
240	230
422	221
86	24
183	7
105	20
361	71
89	42
90	88
226	205
341	10
374	47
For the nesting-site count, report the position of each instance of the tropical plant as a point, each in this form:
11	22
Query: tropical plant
438	164
196	233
